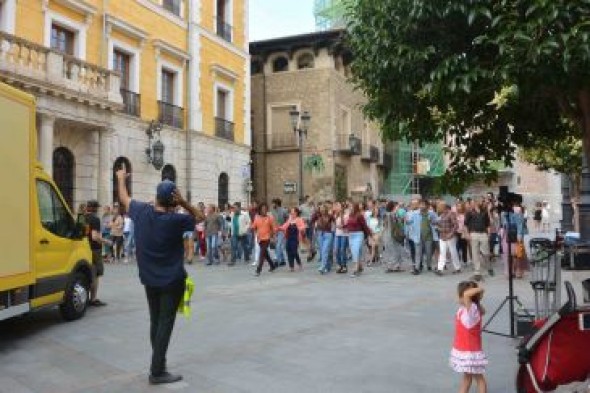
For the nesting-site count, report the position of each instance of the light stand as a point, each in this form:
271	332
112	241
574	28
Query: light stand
511	299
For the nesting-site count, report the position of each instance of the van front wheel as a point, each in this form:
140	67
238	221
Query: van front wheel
75	298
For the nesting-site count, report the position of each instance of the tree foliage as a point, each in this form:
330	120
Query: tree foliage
485	77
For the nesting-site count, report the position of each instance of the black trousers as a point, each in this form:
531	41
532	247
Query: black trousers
163	303
264	254
293	253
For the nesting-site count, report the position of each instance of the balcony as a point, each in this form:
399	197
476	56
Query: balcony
39	68
131	103
171	115
224	129
283	140
224	30
348	144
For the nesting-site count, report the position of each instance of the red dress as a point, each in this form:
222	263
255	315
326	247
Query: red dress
467	355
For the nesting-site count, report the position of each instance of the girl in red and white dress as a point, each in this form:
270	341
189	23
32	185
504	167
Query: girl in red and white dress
467	356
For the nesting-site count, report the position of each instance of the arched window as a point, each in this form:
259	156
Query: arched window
63	173
223	190
280	64
255	67
169	173
116	166
304	61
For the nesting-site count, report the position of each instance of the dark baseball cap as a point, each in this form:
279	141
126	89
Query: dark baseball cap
165	190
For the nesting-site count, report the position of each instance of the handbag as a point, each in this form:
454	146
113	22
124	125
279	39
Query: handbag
519	251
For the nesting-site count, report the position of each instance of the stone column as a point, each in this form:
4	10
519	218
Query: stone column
105	164
46	142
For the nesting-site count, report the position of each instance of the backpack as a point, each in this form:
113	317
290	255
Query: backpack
397	229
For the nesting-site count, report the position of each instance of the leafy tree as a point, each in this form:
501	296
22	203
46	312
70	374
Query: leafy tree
486	77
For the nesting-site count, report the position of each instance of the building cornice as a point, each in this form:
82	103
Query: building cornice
218	69
126	28
177	20
220	41
80	6
162	46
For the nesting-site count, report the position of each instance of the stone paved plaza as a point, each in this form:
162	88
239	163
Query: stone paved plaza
283	332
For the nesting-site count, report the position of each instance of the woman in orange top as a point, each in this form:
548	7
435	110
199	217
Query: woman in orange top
294	229
265	227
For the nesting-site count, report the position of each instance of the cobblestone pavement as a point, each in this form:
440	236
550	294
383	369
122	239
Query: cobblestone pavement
281	332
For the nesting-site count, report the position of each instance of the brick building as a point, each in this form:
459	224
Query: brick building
309	72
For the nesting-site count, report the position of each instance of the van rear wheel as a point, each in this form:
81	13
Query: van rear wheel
75	298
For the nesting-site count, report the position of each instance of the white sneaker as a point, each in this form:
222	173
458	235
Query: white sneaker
254	263
126	260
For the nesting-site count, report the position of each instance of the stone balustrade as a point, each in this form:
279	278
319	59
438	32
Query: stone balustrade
34	65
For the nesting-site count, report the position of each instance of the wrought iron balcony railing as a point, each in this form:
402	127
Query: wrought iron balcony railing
131	102
348	144
224	129
171	115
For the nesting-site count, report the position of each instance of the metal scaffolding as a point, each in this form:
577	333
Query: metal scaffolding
329	14
413	168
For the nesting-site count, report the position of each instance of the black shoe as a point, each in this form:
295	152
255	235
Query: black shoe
491	272
256	274
209	263
415	272
272	269
164	378
438	272
283	264
478	278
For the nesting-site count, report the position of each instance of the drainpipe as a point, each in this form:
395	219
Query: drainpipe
189	88
265	134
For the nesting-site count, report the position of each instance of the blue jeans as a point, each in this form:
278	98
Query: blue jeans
355	241
239	247
212	248
129	244
325	240
340	249
280	247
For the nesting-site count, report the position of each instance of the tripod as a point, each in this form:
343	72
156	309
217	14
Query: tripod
511	299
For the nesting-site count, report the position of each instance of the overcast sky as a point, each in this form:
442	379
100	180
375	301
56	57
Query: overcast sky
279	18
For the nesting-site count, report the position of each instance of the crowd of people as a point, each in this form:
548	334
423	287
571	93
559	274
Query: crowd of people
422	235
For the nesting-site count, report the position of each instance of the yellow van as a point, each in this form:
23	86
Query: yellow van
45	258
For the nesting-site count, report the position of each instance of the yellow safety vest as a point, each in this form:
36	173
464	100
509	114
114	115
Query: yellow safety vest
185	305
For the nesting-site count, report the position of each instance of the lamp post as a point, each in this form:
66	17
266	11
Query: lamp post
300	123
155	150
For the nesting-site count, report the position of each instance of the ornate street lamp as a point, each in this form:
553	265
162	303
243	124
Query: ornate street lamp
300	123
155	149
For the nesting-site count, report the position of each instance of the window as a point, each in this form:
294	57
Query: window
173	6
54	215
63	173
280	64
304	61
222	104
224	28
121	62
168	86
62	39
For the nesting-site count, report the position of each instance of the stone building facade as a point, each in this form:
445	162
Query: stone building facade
309	73
103	71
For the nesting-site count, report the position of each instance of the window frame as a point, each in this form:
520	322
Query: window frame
134	65
8	16
228	16
65	232
79	30
180	7
229	105
178	82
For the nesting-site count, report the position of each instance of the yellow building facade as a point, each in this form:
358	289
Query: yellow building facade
118	80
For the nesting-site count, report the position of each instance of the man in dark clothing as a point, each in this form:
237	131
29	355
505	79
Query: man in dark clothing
96	241
160	252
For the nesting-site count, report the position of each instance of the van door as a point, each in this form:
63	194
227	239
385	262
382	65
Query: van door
53	240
